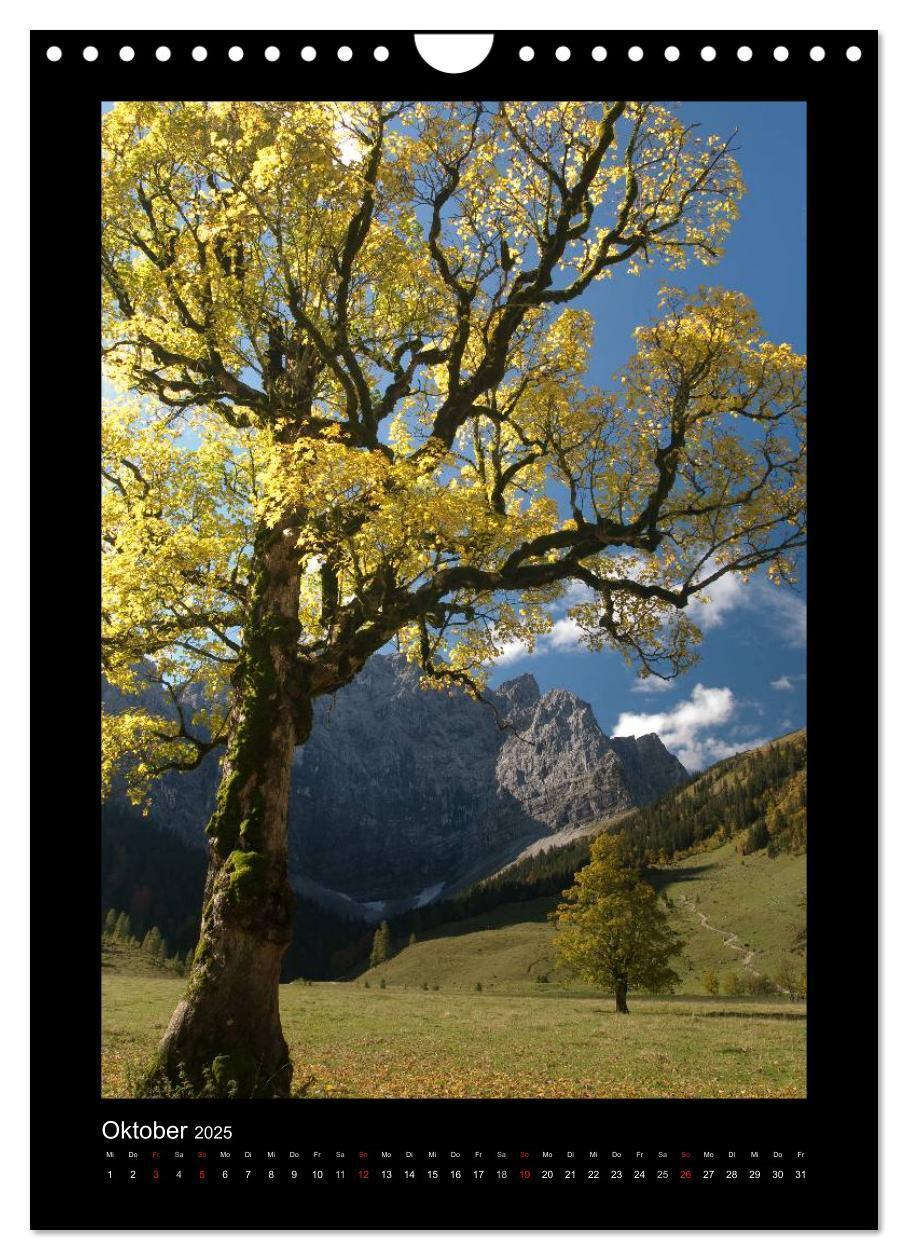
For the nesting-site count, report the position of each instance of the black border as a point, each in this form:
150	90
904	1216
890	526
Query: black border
837	1123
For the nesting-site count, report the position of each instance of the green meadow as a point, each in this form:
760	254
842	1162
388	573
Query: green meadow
522	1039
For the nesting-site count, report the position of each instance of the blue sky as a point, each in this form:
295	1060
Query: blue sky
750	683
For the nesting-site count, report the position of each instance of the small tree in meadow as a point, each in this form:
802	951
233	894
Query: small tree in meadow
792	981
787	978
711	983
612	930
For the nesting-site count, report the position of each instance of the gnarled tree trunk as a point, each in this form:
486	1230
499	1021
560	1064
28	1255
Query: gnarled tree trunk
225	1036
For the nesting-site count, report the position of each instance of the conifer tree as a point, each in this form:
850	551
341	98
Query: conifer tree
381	945
153	943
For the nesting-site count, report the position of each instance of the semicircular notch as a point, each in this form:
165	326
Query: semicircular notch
454	54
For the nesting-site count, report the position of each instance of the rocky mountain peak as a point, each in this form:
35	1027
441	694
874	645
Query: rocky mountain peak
520	691
516	700
402	791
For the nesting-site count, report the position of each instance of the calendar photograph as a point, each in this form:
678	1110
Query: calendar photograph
453	614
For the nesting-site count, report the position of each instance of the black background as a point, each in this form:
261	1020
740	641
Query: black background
837	1123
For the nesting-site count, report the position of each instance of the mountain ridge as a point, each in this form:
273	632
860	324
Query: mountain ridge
726	852
403	792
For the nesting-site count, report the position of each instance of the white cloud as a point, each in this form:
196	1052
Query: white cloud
707	706
781	609
786	611
786	682
652	683
711	749
685	728
510	652
564	636
725	595
575	592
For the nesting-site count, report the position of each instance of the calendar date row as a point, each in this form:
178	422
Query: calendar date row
500	1168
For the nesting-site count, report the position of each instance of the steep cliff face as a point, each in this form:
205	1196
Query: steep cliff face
401	791
564	771
395	789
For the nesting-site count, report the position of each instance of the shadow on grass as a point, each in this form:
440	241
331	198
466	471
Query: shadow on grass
513	913
795	1015
661	876
642	1012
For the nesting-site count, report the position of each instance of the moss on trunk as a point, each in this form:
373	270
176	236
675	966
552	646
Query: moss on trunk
225	1036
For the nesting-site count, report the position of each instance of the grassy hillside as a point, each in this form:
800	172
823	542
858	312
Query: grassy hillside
128	958
733	878
760	899
348	1041
756	800
757	897
507	949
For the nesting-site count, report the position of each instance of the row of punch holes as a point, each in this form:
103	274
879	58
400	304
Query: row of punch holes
527	53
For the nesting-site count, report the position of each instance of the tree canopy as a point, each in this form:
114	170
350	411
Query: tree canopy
356	325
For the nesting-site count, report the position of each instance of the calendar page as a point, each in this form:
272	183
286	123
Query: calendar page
444	844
